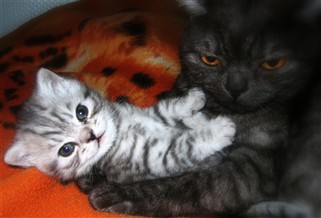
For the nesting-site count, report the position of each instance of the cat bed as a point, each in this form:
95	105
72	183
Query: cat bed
124	49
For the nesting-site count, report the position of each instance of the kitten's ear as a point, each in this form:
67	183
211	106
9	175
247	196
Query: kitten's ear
48	83
194	7
17	155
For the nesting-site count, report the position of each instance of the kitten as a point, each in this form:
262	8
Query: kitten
66	128
251	58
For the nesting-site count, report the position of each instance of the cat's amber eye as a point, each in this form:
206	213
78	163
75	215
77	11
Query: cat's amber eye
81	113
210	60
67	149
273	64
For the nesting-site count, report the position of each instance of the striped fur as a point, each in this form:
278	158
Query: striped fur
226	52
125	142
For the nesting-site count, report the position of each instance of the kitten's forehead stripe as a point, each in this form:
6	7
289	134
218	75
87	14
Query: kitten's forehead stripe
86	93
40	107
50	133
97	107
70	116
32	131
55	114
68	105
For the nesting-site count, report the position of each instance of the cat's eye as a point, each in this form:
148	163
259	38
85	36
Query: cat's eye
210	60
67	149
81	113
273	64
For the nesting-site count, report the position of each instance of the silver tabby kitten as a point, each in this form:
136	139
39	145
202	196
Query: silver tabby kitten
66	128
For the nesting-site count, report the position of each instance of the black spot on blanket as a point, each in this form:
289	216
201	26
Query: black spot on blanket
4	67
108	71
142	80
5	51
24	59
135	28
56	62
46	39
10	94
18	77
48	52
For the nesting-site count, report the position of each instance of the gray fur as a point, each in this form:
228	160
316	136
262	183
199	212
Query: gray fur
125	142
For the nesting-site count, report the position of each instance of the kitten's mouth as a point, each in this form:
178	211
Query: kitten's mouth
99	139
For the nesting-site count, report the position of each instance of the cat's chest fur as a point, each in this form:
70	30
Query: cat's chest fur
261	131
260	128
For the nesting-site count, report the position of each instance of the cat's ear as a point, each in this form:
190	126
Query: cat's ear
194	7
17	155
49	83
312	12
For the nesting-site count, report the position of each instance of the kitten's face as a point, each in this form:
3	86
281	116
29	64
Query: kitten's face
63	129
244	57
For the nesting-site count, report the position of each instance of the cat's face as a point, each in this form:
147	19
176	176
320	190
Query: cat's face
63	129
244	55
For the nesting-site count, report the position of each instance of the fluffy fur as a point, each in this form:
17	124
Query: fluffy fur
66	128
246	58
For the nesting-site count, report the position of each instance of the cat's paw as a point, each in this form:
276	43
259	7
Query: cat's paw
193	102
197	121
109	198
223	130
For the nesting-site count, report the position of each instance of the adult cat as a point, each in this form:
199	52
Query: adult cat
250	58
299	191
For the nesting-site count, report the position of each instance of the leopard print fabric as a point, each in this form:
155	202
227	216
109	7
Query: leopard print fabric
127	50
129	55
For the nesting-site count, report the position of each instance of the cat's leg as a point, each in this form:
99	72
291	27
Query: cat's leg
230	187
172	110
89	181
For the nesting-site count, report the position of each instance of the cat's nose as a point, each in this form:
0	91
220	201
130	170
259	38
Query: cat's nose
87	135
92	137
236	85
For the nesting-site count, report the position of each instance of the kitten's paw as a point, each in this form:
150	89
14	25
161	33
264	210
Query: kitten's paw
223	130
197	121
194	101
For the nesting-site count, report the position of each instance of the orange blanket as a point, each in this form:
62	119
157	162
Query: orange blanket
123	48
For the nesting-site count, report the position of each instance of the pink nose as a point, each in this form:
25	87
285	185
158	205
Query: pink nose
87	135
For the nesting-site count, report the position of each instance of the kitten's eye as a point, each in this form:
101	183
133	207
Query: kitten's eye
81	113
210	60
273	64
67	149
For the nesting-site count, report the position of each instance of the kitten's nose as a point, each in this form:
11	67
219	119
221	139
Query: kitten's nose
236	85
92	137
87	135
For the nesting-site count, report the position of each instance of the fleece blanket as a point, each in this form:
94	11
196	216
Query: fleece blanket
124	49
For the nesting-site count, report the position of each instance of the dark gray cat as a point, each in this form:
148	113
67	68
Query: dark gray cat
251	58
299	192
